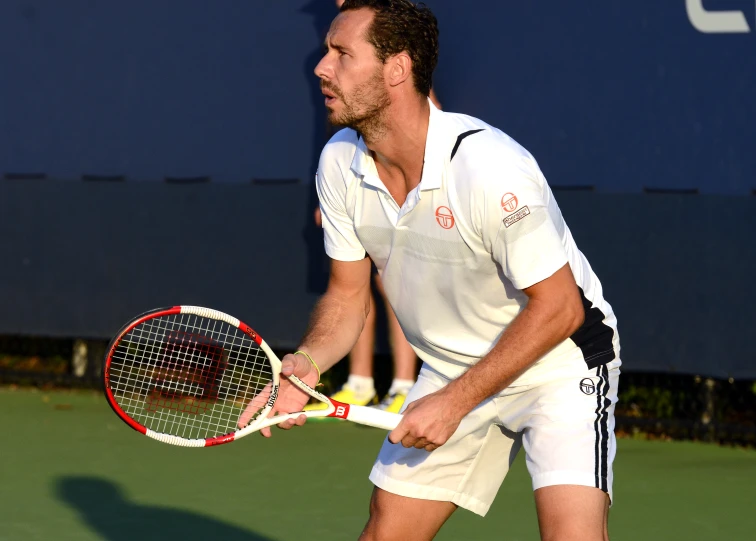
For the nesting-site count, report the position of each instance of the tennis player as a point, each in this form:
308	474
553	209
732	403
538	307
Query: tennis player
519	347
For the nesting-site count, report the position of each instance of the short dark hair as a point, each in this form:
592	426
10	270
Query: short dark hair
400	25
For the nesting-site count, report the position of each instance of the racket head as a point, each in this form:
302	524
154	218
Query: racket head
183	375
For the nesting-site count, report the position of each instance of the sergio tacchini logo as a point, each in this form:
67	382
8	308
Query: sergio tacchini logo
587	386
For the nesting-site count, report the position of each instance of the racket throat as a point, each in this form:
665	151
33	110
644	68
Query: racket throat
341	410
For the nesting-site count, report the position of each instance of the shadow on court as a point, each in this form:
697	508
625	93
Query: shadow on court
106	510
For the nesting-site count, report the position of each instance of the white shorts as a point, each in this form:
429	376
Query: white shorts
566	426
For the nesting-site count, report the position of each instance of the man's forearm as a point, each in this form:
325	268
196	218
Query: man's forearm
536	330
335	325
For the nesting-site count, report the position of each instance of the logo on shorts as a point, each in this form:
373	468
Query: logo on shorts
509	202
444	217
587	386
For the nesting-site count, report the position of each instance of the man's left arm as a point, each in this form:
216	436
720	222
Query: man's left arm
526	241
554	311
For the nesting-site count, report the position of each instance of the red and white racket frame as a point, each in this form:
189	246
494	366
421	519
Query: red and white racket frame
357	414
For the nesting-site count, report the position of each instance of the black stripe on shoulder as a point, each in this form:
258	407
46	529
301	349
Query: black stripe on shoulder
459	140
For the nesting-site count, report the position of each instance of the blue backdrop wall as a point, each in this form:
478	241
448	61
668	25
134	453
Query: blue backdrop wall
624	98
616	94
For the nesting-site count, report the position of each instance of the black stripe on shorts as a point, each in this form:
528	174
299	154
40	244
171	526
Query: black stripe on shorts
601	426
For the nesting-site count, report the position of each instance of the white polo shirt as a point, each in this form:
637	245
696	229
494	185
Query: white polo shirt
481	226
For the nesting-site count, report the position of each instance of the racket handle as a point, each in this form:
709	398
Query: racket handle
373	417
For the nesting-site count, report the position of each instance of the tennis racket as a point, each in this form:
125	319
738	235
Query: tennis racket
184	375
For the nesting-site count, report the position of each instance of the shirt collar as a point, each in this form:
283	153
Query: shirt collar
363	164
435	150
436	147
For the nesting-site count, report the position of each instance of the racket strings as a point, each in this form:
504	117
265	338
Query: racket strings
187	375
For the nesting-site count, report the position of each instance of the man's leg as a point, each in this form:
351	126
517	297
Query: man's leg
398	518
572	513
416	491
569	441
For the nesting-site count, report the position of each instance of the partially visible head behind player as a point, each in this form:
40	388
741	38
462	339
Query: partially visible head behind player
377	52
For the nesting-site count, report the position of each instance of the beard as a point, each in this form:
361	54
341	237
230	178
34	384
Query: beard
364	108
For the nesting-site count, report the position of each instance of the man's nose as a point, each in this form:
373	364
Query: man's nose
324	70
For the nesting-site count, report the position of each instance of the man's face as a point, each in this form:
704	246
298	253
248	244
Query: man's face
351	76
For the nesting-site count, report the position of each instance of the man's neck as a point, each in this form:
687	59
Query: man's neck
399	148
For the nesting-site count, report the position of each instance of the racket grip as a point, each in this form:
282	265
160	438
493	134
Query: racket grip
373	417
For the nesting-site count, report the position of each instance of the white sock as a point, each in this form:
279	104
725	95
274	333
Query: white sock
361	384
401	386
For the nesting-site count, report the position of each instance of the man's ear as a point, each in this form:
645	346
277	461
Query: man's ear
399	69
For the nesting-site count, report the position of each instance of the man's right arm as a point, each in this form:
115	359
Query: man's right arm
338	317
335	324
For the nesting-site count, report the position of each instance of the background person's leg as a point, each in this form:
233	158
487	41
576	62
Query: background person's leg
404	359
361	356
359	388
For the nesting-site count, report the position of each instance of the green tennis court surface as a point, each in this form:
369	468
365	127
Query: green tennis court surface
71	470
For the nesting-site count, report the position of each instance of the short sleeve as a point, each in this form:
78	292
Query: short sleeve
522	228
341	242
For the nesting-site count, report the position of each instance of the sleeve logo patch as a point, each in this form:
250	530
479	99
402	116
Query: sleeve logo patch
509	202
517	216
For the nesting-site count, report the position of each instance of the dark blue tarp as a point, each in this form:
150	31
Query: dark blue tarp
615	94
79	259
